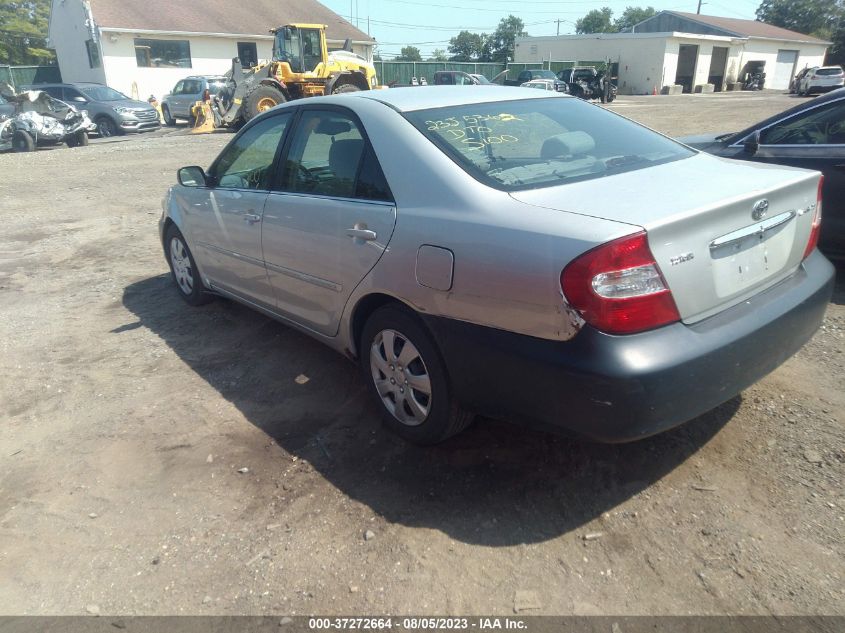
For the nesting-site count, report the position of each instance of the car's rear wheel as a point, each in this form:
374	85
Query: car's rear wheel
22	142
407	376
169	121
183	268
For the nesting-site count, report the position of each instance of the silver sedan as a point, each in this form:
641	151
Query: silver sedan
514	253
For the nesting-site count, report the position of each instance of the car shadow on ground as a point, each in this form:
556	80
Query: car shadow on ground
496	484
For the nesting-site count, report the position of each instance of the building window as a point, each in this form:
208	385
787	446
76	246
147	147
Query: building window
93	54
163	53
248	54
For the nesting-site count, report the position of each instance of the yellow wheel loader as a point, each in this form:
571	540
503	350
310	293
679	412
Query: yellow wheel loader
301	67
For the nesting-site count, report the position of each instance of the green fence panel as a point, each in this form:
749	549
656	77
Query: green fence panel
19	76
401	73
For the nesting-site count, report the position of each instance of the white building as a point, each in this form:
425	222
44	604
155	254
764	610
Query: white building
143	48
686	49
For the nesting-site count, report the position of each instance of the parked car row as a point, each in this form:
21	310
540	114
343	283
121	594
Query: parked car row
817	79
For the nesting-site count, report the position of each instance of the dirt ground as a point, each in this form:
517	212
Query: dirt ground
127	417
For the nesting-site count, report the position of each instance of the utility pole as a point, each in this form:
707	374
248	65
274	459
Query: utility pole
558	26
699	6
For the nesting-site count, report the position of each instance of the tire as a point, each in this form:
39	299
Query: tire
22	142
106	127
77	139
345	88
262	98
169	121
183	268
424	415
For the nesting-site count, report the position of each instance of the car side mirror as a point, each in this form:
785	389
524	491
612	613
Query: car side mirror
752	143
192	176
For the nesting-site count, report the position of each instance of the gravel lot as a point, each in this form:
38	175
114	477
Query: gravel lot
127	417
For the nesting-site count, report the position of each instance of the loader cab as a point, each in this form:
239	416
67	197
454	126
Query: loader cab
302	46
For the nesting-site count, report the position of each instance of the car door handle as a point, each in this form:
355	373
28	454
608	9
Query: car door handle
252	218
362	234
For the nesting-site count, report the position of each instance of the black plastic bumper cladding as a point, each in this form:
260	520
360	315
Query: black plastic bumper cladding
622	388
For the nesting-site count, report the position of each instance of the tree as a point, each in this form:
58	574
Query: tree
466	47
596	21
811	17
501	43
23	33
438	55
631	16
409	54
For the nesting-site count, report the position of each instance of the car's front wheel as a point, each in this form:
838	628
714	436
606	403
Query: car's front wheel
106	126
406	374
169	121
22	142
183	268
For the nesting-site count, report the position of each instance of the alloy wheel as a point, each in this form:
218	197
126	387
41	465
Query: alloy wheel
182	269
401	377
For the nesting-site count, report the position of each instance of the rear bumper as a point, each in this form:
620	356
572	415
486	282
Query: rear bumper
622	388
819	89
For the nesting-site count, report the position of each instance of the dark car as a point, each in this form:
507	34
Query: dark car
186	92
112	111
795	82
810	135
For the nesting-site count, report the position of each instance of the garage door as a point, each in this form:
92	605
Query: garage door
783	70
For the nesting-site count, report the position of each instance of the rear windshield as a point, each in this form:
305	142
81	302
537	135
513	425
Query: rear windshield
829	71
543	74
532	143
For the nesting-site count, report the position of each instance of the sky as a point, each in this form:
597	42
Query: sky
429	25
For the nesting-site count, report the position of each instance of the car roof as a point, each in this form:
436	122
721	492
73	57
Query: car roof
834	95
414	98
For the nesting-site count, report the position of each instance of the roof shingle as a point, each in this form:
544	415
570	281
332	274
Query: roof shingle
255	17
748	28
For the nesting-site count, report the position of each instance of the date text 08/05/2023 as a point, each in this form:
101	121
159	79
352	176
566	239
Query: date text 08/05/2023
422	623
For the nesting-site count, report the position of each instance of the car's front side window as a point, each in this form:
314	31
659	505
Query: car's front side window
325	155
177	90
819	126
246	163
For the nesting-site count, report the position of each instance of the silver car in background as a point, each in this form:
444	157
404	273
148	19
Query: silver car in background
513	253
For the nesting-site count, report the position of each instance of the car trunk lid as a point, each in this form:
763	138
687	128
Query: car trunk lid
720	230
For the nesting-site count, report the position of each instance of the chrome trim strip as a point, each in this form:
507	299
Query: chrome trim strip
232	254
311	279
755	229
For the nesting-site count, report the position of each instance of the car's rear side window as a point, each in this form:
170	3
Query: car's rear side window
330	156
532	143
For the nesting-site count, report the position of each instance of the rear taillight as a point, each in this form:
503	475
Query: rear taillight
618	288
817	222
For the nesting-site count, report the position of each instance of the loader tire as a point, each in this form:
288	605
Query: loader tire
260	99
345	88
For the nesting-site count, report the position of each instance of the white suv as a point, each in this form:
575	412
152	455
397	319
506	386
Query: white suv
821	79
